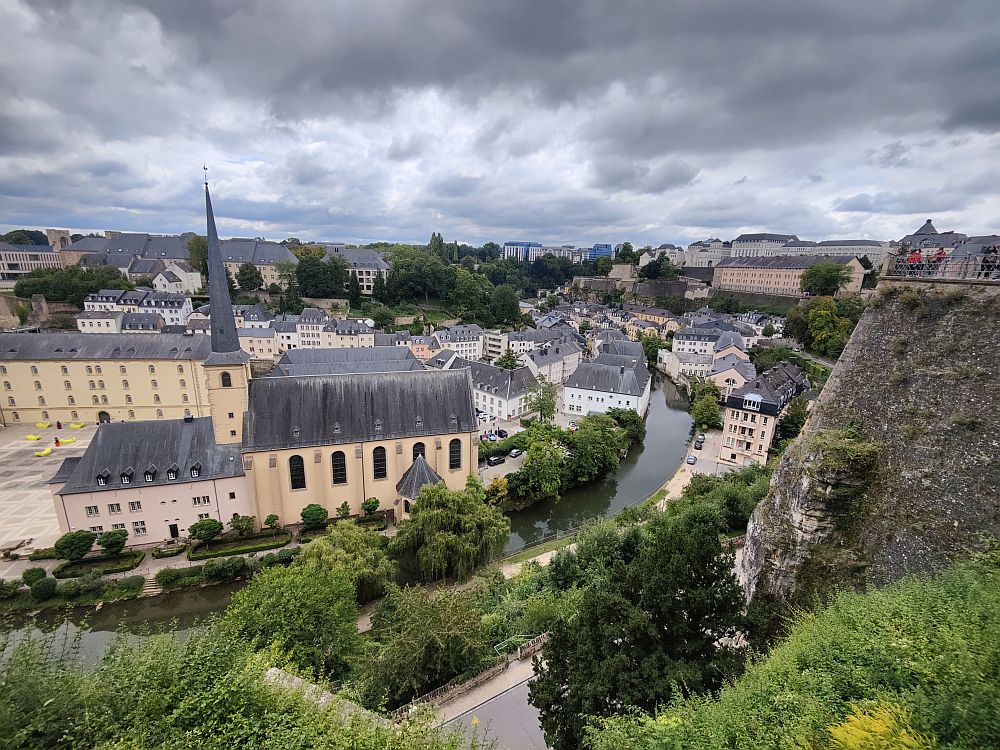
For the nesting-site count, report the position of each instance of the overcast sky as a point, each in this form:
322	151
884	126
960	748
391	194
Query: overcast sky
562	121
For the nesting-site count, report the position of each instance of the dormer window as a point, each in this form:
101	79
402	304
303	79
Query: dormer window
751	402
336	428
420	422
149	475
171	474
102	480
196	470
378	425
126	476
296	432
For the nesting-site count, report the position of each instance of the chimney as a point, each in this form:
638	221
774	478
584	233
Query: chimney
188	418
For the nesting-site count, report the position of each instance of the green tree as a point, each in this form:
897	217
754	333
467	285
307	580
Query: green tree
828	332
543	470
361	552
793	418
702	388
627	254
503	305
449	532
423	640
322	278
471	296
585	326
370	505
595	448
769	331
542	399
271	522
73	545
797	326
314	516
705	412
655	620
508	360
243	525
44	589
306	612
205	530
378	288
71	284
602	266
824	279
344	510
630	421
249	278
197	249
354	289
436	246
113	542
651	345
383	317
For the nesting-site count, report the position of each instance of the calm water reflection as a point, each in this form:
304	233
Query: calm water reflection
668	426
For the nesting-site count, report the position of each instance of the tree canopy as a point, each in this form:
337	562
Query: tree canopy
249	277
542	399
71	284
825	278
450	532
508	360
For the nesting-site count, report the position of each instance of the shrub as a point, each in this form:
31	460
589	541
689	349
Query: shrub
113	542
172	577
370	505
161	552
205	530
271	522
48	553
43	589
91	584
131	583
243	525
73	545
9	588
69	589
33	574
314	516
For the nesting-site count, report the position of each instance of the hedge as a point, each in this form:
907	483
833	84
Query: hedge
222	571
101	566
503	447
48	553
160	553
240	546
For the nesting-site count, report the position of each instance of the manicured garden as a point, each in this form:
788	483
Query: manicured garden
99	565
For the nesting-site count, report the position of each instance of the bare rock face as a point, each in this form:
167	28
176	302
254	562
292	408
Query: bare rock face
898	468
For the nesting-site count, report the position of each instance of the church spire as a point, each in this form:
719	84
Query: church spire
224	336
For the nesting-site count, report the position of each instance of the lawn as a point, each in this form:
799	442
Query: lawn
238	546
99	565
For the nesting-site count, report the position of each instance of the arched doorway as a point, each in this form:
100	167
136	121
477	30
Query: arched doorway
103	417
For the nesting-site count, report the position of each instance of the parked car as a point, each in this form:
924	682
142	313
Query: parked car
572	425
692	459
502	433
515	453
700	437
698	445
495	460
492	437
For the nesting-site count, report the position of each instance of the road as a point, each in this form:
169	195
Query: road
507	718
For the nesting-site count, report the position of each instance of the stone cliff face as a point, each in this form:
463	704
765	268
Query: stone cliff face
898	468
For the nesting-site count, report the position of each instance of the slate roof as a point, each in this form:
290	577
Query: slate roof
129	244
731	361
419	474
783	261
258	252
551	354
142	321
858	243
27	248
469	332
776	387
392	339
623	347
761	236
296	362
610	376
348	327
27	346
170	276
497	381
358	257
335	409
157	446
146	266
927	228
441	360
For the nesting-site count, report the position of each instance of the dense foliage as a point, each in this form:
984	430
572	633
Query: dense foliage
160	694
656	601
824	324
732	497
73	545
825	279
71	284
450	532
918	658
362	552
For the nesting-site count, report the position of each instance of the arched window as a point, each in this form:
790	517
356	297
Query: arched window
68	385
41	400
104	399
71	401
38	385
419	450
339	463
455	454
297	472
379	470
125	384
226	380
156	398
159	413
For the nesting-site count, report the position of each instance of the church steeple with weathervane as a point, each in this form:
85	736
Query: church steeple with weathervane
227	368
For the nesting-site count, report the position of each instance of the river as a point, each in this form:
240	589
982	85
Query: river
647	467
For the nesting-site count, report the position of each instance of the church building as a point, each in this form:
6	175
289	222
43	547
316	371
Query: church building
270	445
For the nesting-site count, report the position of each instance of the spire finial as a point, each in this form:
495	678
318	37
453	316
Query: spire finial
204	168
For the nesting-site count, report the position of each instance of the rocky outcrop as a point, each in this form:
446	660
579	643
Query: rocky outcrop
898	468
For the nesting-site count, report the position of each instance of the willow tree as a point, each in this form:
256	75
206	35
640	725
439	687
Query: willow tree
450	532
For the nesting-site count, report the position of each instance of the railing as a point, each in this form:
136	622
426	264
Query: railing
982	266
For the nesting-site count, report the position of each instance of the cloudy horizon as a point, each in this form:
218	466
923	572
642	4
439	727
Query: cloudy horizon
565	122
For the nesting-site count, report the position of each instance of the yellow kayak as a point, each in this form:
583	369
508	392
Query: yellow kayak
75	426
68	440
42	425
32	437
45	452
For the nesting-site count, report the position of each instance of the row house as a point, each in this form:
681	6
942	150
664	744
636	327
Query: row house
782	275
555	363
611	381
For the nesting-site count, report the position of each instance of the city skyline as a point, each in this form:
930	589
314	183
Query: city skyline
569	124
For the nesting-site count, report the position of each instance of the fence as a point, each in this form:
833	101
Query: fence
984	266
448	692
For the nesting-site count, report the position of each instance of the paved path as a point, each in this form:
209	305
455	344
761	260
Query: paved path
519	671
507	718
708	463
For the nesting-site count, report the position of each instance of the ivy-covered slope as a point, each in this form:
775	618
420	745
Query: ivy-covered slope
898	468
914	665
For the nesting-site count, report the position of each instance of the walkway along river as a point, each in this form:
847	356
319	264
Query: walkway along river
668	427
